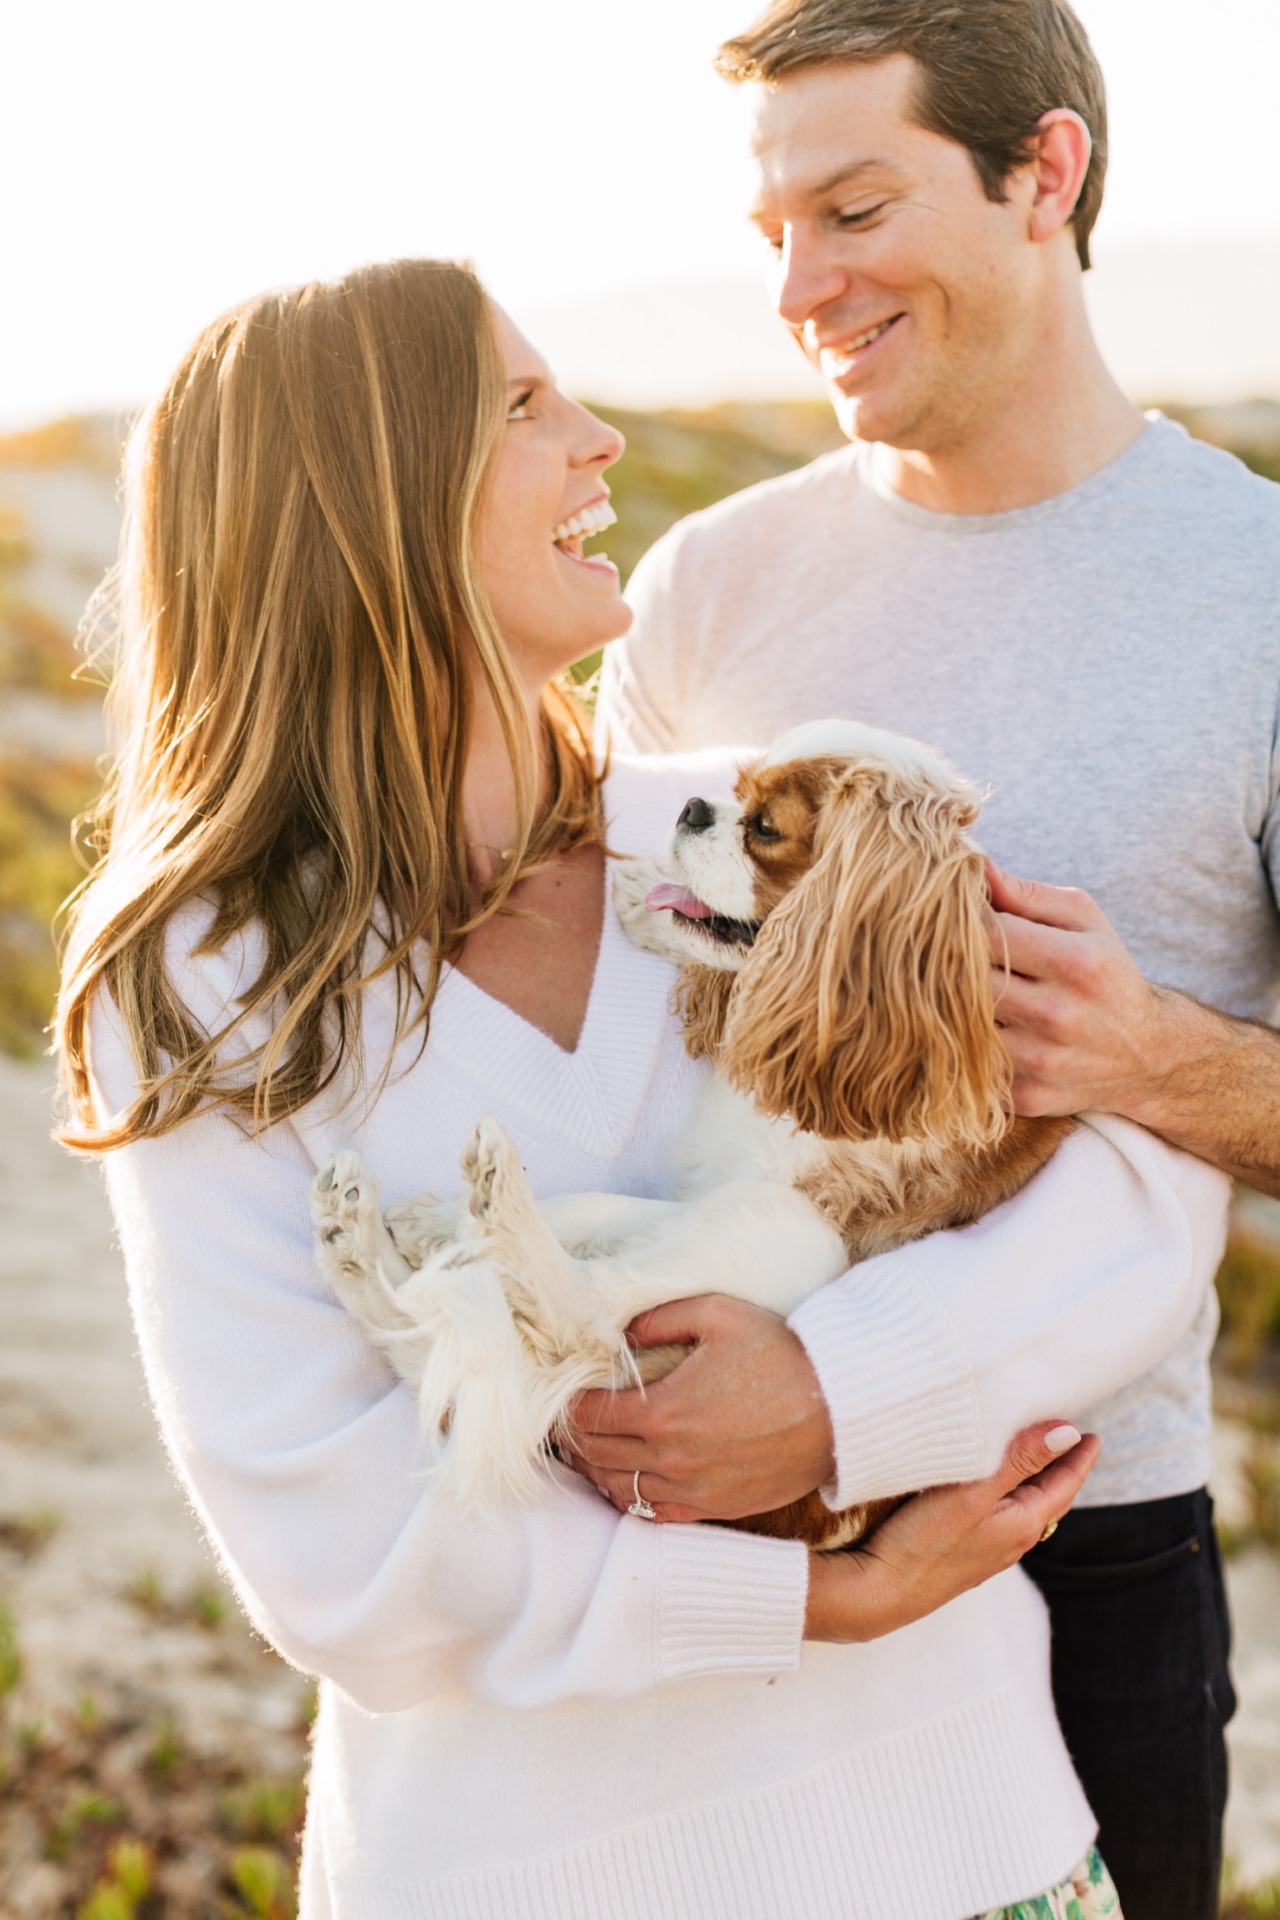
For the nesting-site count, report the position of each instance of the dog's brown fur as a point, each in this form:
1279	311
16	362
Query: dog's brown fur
865	1013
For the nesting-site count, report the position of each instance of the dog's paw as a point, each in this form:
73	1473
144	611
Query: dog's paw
419	1227
633	882
491	1168
344	1196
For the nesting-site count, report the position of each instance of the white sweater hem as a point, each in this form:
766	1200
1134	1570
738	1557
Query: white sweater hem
974	1809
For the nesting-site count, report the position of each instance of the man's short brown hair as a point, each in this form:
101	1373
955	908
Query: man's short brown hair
990	69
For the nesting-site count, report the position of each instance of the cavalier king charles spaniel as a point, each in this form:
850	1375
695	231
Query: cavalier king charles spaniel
830	922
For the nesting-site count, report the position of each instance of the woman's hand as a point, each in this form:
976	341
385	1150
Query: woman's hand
941	1543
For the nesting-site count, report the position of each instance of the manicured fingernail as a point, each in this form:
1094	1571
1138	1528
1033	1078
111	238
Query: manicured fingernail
1062	1439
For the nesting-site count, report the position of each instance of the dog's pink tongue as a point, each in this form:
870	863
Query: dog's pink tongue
677	900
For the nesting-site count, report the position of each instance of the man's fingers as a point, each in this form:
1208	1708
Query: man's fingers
1033	949
1017	1000
1067	908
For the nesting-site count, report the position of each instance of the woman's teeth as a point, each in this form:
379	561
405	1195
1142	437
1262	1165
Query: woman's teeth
580	526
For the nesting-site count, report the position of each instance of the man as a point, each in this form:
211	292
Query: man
1079	606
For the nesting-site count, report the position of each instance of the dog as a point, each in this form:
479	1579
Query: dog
831	926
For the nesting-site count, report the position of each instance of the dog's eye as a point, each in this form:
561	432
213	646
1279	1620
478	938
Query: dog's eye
761	828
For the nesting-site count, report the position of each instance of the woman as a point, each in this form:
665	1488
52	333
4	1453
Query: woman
352	575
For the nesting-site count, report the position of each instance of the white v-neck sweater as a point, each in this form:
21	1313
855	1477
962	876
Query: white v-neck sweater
564	1714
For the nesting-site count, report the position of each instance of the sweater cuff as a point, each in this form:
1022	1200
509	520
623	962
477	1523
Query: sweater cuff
727	1602
898	1381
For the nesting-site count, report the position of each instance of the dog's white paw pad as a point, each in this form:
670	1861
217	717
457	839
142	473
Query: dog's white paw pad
488	1158
341	1196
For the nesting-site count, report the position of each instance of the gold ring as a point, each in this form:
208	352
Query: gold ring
1049	1532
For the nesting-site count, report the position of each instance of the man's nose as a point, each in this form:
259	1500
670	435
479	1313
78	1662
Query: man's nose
696	817
806	280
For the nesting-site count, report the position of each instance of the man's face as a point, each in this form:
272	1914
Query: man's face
915	295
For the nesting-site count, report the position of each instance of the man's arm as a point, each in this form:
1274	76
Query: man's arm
1088	1034
916	1367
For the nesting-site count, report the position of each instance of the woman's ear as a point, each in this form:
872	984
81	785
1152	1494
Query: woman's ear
866	1008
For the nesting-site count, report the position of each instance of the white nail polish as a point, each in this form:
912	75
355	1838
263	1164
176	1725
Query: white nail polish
1061	1439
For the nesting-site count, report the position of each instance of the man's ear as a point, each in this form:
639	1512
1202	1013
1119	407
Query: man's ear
1064	148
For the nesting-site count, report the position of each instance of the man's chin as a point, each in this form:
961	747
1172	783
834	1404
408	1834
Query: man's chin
859	417
877	419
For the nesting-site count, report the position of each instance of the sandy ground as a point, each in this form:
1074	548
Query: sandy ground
77	1443
108	1613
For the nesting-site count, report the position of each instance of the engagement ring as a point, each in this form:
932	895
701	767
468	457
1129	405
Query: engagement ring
640	1506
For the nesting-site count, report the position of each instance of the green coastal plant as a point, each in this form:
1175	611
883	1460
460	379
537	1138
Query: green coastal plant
265	1886
166	1751
38	868
10	1653
263	1810
129	1879
1248	1903
1249	1292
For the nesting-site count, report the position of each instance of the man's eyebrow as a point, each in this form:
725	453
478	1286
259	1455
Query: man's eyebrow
842	175
841	178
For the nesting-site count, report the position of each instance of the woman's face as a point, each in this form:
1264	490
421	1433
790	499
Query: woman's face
546	496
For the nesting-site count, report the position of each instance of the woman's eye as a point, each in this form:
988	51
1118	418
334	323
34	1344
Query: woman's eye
762	830
519	409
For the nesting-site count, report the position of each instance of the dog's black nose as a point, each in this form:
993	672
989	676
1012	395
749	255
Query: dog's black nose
697	817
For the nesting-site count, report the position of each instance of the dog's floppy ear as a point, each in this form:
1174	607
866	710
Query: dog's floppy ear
866	1007
701	1003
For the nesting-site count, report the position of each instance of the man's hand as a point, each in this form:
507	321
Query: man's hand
739	1427
1087	1033
1081	1024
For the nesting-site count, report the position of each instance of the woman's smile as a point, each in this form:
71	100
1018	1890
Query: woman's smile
546	498
588	521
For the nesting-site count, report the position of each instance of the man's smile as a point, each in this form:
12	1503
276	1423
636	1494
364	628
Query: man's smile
838	360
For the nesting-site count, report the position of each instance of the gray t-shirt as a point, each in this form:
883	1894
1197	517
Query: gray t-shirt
1106	663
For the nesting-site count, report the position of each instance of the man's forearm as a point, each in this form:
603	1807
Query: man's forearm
930	1357
1087	1034
1214	1089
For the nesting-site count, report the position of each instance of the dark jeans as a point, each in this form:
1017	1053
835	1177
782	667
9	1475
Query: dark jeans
1140	1645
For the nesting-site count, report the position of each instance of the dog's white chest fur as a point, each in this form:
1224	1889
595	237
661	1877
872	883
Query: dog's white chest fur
727	1141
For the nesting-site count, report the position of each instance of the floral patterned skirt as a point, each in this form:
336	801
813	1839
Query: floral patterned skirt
1086	1894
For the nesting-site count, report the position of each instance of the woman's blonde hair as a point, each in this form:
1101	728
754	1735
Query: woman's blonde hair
301	621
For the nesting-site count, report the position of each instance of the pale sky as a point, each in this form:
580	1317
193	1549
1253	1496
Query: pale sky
164	159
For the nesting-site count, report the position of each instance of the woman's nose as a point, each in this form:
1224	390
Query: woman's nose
600	443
